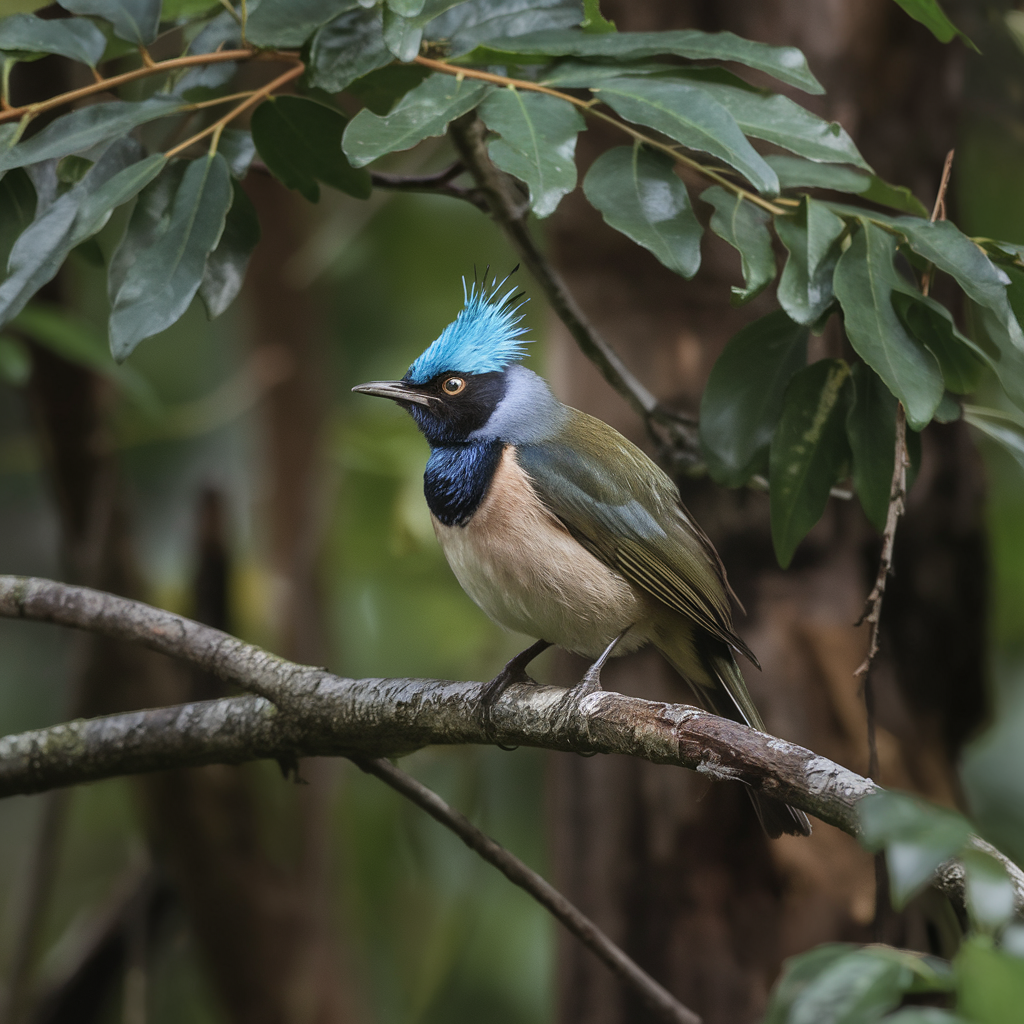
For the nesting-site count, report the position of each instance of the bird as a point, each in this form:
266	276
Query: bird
560	528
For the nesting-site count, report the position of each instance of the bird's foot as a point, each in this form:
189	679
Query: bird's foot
513	672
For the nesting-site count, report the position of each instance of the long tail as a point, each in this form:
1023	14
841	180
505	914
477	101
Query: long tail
708	665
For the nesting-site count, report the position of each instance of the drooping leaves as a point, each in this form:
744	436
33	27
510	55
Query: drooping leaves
300	141
1000	427
786	63
812	238
808	452
537	143
82	129
76	38
226	265
421	113
286	23
164	275
743	399
350	46
796	172
135	21
934	18
871	431
745	227
639	194
864	281
72	218
687	114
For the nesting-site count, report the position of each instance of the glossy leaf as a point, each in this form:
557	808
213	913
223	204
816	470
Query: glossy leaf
226	265
796	172
812	238
745	227
797	973
287	23
82	129
743	399
786	63
76	38
300	142
471	23
897	197
165	275
639	194
1000	427
17	210
72	218
237	147
961	361
135	21
380	90
917	837
406	8
402	35
864	281
421	113
998	350
350	46
221	32
871	432
593	19
537	143
934	18
808	452
687	114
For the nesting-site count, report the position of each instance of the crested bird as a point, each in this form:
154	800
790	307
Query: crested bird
560	528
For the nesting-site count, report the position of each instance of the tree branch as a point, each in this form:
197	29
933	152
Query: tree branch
439	183
674	433
308	711
658	999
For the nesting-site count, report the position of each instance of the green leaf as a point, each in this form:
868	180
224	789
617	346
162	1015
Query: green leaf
135	21
796	172
76	341
990	982
286	23
745	227
871	431
933	17
639	194
1000	427
17	209
809	452
917	837
82	129
593	20
897	197
923	1015
221	32
300	142
743	399
347	48
945	245
961	361
402	35
420	114
380	90
406	8
76	38
470	23
15	362
812	238
72	218
226	265
537	143
797	973
990	893
165	275
237	147
786	63
864	281
687	114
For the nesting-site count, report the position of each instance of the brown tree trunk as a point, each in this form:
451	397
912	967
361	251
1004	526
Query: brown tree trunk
674	866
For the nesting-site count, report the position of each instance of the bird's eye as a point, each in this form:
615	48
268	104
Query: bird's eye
453	385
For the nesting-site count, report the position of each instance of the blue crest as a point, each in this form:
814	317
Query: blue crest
483	338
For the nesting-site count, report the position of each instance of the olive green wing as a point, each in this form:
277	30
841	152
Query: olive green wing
623	509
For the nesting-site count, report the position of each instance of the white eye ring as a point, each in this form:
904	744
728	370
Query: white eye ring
453	385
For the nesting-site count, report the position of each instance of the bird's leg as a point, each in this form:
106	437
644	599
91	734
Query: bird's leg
513	672
591	681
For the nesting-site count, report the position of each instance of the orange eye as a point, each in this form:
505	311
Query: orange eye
453	385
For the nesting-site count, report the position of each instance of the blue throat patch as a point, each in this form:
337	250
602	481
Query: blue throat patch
483	338
457	479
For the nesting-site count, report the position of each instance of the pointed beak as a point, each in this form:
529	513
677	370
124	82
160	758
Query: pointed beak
396	390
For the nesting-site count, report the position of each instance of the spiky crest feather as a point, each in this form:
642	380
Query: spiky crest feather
483	338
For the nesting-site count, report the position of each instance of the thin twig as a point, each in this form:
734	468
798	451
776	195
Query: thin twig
938	213
509	208
658	999
439	183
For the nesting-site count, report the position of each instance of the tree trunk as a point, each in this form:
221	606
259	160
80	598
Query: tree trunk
675	867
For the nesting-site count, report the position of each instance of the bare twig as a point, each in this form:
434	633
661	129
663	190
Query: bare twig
437	184
508	208
658	999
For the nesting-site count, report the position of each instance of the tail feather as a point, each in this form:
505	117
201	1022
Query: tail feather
709	667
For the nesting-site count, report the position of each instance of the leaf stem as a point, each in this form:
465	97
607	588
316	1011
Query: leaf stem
218	125
588	107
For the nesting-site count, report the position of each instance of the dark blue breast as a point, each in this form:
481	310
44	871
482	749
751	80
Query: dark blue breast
457	479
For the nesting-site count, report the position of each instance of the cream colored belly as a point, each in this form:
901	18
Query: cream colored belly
524	569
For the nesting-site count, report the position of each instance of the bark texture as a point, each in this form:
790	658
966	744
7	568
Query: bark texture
674	866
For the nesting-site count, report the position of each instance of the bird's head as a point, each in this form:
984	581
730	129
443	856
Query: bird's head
455	386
